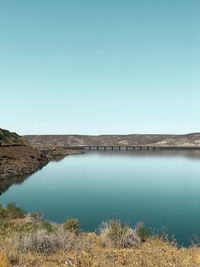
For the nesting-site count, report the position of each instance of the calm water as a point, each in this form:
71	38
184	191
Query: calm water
159	188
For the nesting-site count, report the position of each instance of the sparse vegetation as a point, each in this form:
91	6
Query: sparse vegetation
47	226
7	137
142	232
37	216
127	140
11	212
72	225
29	240
43	241
116	234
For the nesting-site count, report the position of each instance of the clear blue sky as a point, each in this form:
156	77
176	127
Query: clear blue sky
100	66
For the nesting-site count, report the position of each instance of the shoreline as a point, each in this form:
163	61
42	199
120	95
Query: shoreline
18	163
29	240
151	140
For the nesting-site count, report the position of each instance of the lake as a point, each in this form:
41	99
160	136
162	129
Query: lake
158	188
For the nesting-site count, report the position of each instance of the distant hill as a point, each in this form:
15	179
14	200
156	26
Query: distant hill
192	139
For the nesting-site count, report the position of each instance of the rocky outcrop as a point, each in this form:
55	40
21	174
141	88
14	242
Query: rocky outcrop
18	162
19	158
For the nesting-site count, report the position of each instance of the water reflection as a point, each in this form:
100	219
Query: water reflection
160	188
149	153
5	184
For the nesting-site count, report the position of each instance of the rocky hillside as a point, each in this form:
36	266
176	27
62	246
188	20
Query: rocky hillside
132	139
18	158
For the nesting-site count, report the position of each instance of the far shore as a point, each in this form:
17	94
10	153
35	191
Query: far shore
158	141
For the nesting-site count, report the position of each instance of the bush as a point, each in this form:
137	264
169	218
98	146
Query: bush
11	212
2	212
28	227
72	225
4	135
14	211
115	234
37	216
45	242
143	233
8	137
47	226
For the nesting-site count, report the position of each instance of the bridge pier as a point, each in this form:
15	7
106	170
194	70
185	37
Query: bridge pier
95	147
117	147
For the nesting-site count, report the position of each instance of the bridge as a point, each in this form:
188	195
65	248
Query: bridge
135	147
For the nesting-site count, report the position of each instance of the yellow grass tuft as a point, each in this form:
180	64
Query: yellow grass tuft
3	260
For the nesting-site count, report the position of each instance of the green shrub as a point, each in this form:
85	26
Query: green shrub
2	212
117	229
28	227
7	136
72	225
47	226
14	211
4	135
11	212
143	233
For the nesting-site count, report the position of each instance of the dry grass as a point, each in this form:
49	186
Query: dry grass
153	253
116	235
118	245
3	260
42	241
87	250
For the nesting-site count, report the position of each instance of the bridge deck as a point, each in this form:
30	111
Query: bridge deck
135	147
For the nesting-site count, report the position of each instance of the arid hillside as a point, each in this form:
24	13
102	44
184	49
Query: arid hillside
18	158
132	139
